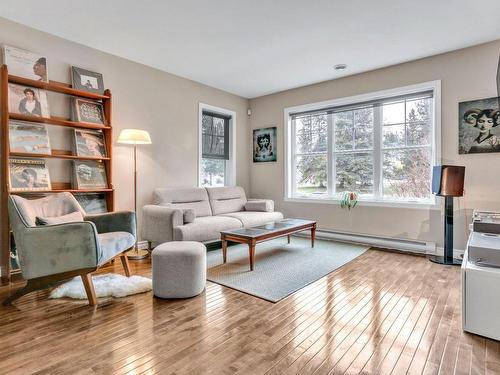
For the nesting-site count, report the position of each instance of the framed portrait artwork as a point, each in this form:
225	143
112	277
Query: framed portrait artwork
26	64
92	203
87	80
28	137
264	145
479	130
83	110
28	175
89	143
28	101
89	175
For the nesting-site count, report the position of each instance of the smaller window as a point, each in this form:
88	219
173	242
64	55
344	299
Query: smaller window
216	166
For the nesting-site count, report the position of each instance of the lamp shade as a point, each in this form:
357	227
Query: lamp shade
448	180
134	137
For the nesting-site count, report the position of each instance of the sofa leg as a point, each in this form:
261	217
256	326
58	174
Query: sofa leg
89	288
125	264
150	245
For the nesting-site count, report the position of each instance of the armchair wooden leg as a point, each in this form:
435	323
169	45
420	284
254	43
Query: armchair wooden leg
89	288
126	265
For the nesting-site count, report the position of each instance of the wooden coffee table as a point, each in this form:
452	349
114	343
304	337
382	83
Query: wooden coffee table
252	236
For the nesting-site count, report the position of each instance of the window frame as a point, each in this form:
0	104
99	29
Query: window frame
289	165
229	165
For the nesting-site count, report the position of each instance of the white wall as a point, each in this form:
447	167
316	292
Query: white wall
465	75
143	97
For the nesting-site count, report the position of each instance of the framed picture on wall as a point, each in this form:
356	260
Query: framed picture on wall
89	143
28	175
89	175
479	130
28	137
87	80
83	110
28	101
92	203
26	64
264	145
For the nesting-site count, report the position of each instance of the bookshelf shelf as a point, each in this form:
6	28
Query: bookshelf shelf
58	121
56	156
108	190
57	187
54	86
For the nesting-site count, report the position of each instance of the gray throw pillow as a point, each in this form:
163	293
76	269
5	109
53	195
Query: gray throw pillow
189	215
68	218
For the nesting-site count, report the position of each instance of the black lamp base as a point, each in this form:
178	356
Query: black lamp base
445	260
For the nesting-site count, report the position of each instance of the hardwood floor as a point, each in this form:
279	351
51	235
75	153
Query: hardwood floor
382	313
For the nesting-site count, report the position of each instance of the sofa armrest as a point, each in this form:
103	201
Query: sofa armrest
263	205
159	222
51	249
121	221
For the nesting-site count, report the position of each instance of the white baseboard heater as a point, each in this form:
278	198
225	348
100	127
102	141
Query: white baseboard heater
414	246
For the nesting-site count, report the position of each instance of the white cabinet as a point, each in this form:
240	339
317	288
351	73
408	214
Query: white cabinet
480	299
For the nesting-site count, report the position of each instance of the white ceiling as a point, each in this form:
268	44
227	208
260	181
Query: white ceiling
257	47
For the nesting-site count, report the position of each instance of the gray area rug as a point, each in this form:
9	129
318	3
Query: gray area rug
280	268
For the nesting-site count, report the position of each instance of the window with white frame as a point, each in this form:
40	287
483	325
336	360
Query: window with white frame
216	164
381	146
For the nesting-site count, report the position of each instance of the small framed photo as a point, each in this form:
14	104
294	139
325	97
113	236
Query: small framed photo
28	101
264	145
92	203
86	80
87	111
28	137
89	175
28	175
89	143
26	64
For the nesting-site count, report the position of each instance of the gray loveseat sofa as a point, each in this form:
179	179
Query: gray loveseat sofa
200	214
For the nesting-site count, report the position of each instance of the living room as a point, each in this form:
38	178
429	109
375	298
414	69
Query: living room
290	187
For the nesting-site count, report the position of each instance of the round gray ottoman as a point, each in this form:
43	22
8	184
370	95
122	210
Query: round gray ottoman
179	269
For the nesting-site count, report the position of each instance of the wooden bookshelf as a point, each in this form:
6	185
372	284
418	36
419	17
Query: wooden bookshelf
57	187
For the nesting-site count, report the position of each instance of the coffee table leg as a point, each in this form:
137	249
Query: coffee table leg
224	249
289	236
251	254
313	234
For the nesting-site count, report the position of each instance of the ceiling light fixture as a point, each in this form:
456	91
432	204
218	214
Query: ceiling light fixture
340	66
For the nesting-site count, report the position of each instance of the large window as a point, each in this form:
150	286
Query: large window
216	164
381	146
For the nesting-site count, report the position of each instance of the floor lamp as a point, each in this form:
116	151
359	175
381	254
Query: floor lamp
448	182
135	137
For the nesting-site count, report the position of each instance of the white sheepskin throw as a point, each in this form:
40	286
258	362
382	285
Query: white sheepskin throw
108	285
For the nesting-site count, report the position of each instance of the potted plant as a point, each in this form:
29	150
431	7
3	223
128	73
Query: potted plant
349	200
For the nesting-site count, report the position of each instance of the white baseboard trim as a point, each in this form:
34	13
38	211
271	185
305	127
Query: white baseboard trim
402	244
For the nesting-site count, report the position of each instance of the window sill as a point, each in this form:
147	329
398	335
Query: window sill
369	203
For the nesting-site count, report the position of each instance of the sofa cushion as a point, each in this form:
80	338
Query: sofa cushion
264	205
226	199
206	228
113	243
252	219
51	220
195	198
50	206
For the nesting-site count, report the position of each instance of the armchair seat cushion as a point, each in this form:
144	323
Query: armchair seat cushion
204	229
113	243
253	218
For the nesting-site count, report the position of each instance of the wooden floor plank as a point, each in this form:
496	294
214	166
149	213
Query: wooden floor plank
384	312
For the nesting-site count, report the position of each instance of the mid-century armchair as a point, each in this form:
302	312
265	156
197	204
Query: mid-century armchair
50	254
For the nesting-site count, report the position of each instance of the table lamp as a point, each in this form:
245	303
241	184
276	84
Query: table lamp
448	182
135	137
